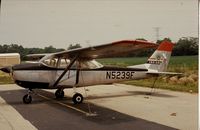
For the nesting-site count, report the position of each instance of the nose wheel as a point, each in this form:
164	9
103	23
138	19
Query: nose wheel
77	98
27	99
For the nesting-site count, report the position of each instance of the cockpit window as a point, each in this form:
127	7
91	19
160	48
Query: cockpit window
64	62
52	62
61	62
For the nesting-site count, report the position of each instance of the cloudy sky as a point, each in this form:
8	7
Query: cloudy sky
40	23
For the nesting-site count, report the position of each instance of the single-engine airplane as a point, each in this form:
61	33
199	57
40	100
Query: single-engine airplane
78	68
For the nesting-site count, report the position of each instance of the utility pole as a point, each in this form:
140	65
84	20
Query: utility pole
0	10
0	7
157	33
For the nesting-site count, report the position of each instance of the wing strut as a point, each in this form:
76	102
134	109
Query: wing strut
65	71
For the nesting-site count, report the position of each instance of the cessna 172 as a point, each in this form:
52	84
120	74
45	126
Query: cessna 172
78	68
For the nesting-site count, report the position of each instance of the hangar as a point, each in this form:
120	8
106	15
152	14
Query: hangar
9	59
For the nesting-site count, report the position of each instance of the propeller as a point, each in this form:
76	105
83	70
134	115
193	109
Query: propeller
7	69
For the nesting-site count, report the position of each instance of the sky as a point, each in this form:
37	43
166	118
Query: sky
41	23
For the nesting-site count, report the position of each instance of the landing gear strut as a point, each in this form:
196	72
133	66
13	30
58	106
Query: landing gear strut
27	99
59	93
77	98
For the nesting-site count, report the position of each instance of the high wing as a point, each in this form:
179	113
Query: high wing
36	56
118	48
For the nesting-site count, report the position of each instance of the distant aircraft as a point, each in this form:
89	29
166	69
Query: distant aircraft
78	68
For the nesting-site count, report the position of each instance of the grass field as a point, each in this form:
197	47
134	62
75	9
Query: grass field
185	64
5	78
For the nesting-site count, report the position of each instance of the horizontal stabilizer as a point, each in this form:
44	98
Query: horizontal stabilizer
164	73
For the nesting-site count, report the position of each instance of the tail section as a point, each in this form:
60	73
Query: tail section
159	60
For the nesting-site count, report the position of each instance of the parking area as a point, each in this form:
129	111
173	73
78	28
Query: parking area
114	106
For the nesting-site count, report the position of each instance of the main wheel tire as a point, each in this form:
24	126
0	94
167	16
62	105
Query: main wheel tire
77	98
59	93
27	99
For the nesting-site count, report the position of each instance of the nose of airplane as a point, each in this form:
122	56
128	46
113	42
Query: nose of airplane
6	69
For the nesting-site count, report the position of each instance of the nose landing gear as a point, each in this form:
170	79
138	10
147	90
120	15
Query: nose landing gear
27	99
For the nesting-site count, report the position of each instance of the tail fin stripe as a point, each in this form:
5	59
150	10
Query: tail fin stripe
165	46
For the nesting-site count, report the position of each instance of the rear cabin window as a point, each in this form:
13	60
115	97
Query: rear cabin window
92	64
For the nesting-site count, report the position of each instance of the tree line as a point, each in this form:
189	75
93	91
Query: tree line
15	48
184	46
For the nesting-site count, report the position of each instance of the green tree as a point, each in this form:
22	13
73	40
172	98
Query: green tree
164	39
15	48
142	52
49	49
142	39
71	46
186	46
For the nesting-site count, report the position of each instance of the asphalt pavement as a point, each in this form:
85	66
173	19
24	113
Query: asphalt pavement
105	107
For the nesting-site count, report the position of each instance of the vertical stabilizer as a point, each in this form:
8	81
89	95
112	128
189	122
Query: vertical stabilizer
160	58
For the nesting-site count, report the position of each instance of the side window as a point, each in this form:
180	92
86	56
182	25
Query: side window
53	62
65	62
60	62
92	64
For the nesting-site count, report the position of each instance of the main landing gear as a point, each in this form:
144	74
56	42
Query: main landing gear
77	97
59	93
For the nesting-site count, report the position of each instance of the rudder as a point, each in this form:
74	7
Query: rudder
159	60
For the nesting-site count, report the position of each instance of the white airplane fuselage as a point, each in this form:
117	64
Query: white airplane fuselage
45	78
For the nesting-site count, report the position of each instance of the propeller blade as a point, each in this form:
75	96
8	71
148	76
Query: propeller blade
7	69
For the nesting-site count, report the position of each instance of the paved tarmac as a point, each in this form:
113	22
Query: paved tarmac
111	107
